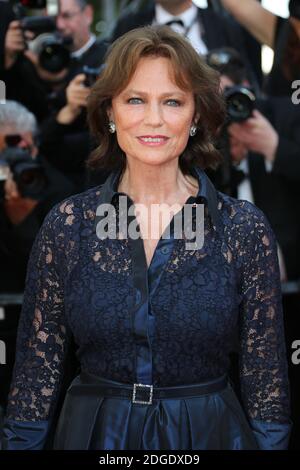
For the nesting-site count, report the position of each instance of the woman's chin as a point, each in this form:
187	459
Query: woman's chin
154	161
152	157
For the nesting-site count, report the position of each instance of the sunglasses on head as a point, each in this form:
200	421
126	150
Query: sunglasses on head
13	140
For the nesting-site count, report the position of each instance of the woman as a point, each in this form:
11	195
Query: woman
154	320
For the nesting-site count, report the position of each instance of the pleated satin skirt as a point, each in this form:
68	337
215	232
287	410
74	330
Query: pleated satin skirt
211	421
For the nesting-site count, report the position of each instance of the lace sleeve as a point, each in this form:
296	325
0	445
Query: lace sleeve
263	364
41	340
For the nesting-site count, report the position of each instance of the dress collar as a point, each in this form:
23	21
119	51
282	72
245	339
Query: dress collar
207	193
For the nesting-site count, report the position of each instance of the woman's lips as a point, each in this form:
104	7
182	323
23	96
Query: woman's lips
153	140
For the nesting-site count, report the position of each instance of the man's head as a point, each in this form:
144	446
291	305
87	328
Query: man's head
74	19
17	127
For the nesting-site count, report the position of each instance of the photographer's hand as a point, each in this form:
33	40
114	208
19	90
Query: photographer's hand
14	43
238	150
77	95
17	208
257	134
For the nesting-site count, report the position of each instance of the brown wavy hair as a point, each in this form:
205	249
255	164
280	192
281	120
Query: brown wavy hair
190	73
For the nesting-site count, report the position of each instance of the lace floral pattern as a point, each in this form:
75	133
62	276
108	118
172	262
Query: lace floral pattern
80	285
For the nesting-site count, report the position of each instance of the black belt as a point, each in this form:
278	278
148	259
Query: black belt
144	394
82	413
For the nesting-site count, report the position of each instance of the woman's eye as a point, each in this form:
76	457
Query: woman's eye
134	100
174	102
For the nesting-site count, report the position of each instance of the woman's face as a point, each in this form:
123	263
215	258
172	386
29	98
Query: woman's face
152	114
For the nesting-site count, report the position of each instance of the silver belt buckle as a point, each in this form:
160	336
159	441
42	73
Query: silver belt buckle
149	387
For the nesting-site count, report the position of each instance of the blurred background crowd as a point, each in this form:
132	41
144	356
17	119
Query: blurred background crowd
51	53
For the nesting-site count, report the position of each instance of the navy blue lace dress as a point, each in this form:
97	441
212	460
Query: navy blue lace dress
172	324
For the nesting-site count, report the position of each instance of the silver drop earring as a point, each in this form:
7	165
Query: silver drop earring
193	130
112	127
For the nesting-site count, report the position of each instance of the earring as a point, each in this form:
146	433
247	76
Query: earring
193	130
112	127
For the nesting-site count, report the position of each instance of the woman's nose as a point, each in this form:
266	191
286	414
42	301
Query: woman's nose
153	115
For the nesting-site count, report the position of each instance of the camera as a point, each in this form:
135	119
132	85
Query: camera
52	49
27	172
38	24
240	102
91	74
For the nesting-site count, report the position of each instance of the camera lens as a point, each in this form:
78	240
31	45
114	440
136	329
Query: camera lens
53	51
54	57
240	103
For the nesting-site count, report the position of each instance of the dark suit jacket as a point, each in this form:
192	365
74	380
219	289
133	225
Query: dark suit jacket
219	31
278	193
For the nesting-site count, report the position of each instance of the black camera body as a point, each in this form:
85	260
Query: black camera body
91	74
38	24
52	49
27	172
240	102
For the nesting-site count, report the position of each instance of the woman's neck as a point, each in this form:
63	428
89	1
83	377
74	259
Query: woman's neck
146	184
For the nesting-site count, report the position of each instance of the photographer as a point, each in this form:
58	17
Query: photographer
72	45
264	148
64	137
30	186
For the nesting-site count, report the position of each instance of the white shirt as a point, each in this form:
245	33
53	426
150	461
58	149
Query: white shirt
189	18
77	54
244	190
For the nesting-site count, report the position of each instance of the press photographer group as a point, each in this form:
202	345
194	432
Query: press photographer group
161	110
